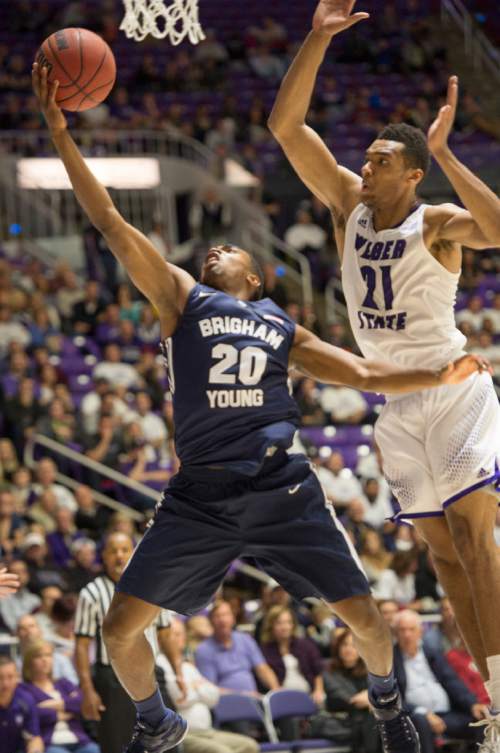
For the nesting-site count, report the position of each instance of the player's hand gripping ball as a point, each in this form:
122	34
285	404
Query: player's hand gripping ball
83	64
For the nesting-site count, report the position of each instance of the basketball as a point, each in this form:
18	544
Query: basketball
83	64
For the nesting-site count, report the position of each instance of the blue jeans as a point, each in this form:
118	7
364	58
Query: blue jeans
89	747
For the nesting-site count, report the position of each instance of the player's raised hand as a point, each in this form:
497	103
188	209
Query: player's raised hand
9	583
333	16
46	93
463	367
439	131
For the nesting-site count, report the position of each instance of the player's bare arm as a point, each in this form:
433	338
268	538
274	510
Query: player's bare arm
331	365
478	225
164	285
337	187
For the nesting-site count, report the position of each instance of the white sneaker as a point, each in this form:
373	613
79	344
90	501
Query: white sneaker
491	742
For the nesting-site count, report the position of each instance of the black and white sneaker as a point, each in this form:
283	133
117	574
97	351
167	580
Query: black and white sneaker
394	724
172	731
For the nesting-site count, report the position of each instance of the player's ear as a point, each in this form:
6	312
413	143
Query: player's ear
416	175
254	282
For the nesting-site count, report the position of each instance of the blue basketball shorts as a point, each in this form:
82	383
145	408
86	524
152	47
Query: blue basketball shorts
280	518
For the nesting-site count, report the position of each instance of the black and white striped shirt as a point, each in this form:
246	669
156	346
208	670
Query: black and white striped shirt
93	603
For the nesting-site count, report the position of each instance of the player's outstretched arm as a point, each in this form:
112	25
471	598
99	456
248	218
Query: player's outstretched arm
335	186
331	365
165	285
478	226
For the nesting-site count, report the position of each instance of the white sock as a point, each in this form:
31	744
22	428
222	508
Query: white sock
493	684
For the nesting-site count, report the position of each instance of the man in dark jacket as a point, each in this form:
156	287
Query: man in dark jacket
439	702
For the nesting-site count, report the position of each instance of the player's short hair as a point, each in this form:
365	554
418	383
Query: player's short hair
416	152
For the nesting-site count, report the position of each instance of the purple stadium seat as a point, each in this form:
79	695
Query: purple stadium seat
283	704
234	707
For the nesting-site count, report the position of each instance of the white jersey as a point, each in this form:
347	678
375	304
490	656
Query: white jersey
400	298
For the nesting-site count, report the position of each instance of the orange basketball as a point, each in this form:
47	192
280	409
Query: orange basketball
83	64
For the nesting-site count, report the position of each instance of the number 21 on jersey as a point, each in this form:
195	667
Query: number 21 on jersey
370	275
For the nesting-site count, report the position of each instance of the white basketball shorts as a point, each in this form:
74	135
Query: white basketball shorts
440	444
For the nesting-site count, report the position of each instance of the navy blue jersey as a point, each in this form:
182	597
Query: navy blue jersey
228	372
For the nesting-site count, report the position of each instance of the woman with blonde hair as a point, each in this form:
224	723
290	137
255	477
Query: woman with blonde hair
296	661
58	703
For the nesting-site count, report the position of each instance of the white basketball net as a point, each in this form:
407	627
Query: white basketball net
176	21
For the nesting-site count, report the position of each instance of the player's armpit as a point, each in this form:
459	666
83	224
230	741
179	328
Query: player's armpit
336	186
457	225
164	284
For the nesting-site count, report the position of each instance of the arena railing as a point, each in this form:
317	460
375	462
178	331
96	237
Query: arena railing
61	451
477	46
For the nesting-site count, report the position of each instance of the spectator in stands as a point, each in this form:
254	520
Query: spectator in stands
47	383
113	369
389	609
87	312
46	471
374	557
58	703
22	602
229	658
11	331
130	308
210	49
305	236
295	661
473	314
493	314
28	631
21	488
106	445
354	523
437	699
377	500
90	406
343	405
63	623
273	288
152	426
61	540
48	594
83	567
43	571
210	217
346	689
269	32
18	715
308	398
58	424
68	292
12	527
398	581
21	413
265	64
91	518
198	629
148	330
200	696
320	629
340	484
43	510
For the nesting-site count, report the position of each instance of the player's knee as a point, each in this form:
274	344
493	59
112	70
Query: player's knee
114	629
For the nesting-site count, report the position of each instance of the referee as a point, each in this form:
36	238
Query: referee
104	699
